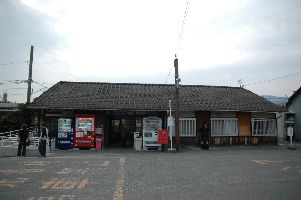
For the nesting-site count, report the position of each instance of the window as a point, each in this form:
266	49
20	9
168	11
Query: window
224	127
187	127
263	127
52	125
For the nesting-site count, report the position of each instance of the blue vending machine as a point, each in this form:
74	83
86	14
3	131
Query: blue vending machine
64	138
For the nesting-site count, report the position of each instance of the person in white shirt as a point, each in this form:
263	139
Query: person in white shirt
43	139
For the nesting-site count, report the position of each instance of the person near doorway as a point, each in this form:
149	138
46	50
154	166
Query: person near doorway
204	136
42	141
122	134
51	137
23	136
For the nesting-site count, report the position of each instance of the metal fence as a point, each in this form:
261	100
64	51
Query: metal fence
10	138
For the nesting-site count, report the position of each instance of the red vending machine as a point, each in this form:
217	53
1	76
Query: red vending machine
84	136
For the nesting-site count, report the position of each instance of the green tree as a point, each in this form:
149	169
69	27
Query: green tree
16	119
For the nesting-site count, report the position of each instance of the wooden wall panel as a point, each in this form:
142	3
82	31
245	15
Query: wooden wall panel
244	124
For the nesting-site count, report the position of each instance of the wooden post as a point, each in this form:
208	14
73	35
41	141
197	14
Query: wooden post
177	80
29	76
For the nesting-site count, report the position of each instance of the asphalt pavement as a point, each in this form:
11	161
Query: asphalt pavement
220	173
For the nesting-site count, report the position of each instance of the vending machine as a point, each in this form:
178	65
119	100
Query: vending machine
84	131
64	138
151	127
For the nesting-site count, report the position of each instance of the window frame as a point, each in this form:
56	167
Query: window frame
189	122
274	124
235	119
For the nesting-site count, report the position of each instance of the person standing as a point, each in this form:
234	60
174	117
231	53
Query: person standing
23	136
122	134
205	136
43	138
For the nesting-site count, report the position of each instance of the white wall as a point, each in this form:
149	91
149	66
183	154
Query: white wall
280	127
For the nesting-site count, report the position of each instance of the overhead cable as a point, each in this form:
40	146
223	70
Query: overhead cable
274	79
15	62
183	25
181	34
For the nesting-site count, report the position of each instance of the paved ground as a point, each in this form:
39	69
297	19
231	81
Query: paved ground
220	173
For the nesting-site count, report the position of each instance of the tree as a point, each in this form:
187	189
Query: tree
14	120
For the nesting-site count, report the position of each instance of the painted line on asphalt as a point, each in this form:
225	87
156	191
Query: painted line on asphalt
10	183
62	197
20	171
286	168
76	157
119	188
264	162
65	184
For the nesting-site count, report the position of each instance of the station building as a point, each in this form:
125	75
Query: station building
234	115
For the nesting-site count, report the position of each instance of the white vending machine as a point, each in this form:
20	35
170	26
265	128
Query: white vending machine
151	127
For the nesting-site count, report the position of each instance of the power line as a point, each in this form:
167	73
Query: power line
274	79
38	91
40	84
3	82
15	89
13	63
168	75
181	33
183	24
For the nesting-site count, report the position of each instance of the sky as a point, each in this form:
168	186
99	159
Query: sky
217	42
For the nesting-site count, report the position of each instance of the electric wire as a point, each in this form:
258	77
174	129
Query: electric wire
15	62
37	91
181	34
168	75
274	79
183	25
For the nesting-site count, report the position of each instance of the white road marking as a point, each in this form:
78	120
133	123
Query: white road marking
11	184
286	168
118	193
65	183
264	162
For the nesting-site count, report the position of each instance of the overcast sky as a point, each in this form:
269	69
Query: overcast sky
222	42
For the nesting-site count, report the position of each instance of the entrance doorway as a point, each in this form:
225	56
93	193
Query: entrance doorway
121	132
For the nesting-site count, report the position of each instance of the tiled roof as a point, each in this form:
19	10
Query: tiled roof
290	100
152	97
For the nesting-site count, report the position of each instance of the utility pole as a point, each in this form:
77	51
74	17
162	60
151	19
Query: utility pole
177	82
29	75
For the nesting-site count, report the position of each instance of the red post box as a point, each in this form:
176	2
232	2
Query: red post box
163	137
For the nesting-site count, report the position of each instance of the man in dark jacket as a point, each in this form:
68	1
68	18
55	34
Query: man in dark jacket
205	136
23	135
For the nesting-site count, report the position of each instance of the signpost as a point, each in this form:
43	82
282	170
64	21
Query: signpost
170	124
290	133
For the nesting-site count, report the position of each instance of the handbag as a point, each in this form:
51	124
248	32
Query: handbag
28	142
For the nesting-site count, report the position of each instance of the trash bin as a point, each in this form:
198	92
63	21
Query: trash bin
98	146
138	143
